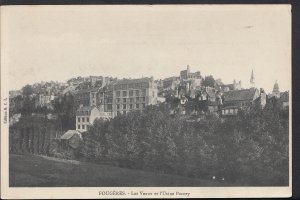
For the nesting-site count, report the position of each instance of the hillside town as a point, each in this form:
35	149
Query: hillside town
187	94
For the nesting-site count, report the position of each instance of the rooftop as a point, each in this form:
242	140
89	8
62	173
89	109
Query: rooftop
240	95
127	81
70	133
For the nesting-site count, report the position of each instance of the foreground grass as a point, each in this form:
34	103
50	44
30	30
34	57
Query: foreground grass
37	171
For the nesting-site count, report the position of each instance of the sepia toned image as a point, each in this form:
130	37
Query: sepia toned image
162	101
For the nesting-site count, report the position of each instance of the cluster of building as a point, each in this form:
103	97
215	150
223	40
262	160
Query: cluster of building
186	94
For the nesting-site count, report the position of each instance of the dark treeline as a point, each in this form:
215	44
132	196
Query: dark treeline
34	135
250	149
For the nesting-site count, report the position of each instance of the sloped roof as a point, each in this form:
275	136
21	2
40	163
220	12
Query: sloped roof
70	133
239	95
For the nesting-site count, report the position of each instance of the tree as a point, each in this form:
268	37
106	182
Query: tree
209	81
27	90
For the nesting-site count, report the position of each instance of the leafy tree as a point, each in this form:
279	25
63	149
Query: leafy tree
209	81
27	90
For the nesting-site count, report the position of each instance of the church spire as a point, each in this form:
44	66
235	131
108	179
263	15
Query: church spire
276	91
252	79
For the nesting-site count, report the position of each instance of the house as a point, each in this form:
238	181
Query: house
71	138
238	100
86	115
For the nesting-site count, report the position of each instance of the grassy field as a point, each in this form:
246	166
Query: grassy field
37	171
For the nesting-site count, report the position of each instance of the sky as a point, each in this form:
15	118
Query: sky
43	43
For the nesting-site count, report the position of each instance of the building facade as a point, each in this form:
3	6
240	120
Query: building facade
187	74
239	100
85	116
133	94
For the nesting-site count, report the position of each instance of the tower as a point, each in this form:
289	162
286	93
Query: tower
252	80
276	91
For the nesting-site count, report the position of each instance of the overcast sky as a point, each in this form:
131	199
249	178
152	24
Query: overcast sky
61	42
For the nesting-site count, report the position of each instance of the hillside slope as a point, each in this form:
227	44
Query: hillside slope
37	171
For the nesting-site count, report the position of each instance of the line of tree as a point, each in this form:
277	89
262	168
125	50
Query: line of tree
250	149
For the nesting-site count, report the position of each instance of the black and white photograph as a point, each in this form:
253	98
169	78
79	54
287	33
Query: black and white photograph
146	101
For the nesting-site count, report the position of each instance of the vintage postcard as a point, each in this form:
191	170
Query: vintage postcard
145	101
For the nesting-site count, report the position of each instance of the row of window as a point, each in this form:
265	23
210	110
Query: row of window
124	100
83	112
131	106
131	93
83	119
230	111
84	127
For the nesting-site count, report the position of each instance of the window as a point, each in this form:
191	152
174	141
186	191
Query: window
137	106
144	98
78	127
137	93
131	93
117	100
118	107
143	92
124	93
83	126
131	100
131	106
144	105
124	86
124	100
137	98
124	106
109	107
87	119
118	113
118	94
78	119
83	119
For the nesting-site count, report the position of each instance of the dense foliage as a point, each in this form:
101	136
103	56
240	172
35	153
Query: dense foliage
209	81
250	149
